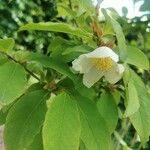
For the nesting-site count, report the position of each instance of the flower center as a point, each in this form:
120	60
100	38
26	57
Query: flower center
103	64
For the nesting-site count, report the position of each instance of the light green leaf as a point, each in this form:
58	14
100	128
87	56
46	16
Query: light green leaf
108	109
141	119
86	5
65	11
56	27
62	128
12	82
119	35
126	75
132	99
25	120
94	132
6	44
137	57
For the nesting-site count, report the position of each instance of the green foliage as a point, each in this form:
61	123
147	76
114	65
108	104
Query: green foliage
62	124
44	103
25	119
119	35
13	82
57	27
17	13
132	98
108	109
94	131
37	143
137	57
141	119
6	44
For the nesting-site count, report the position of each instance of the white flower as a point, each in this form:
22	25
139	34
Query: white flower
98	63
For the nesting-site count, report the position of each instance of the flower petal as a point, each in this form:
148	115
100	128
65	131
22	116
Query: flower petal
115	74
120	68
91	77
82	64
103	52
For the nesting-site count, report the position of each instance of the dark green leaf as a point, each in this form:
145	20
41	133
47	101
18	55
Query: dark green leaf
37	143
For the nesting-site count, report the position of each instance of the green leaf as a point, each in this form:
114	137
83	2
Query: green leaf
82	146
56	27
65	11
137	57
86	5
81	49
12	82
141	119
108	109
132	99
48	62
6	44
62	129
57	42
94	131
25	119
3	116
119	35
4	112
37	143
72	52
83	90
3	59
56	64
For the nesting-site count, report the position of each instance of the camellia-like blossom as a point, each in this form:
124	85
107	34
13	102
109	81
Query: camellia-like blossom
98	63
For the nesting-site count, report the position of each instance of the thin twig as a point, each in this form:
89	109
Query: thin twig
27	70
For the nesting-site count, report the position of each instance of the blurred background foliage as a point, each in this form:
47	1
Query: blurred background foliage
137	32
13	14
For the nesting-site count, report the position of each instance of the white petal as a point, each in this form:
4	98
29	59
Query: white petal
91	77
82	64
120	68
115	74
102	52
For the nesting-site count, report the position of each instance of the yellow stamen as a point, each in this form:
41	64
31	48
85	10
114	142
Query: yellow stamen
103	64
